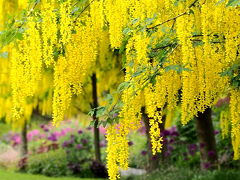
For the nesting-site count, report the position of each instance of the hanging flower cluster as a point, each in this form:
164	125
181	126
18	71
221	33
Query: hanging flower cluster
204	42
174	51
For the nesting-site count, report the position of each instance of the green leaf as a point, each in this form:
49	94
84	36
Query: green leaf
177	67
134	21
233	3
123	86
91	112
137	73
92	123
109	98
127	30
4	55
101	111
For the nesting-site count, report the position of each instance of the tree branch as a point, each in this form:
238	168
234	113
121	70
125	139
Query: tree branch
174	18
84	9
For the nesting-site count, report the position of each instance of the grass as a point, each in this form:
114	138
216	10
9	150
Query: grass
188	174
9	175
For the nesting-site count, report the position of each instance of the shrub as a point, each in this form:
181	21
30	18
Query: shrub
52	163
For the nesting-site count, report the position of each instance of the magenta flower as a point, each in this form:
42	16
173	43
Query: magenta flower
84	141
79	146
65	144
167	154
80	131
89	128
170	148
16	140
211	154
165	133
206	165
102	130
192	148
42	126
144	152
130	143
33	134
52	137
142	130
102	144
202	145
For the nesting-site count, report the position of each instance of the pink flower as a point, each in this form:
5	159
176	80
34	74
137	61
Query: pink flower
102	130
33	135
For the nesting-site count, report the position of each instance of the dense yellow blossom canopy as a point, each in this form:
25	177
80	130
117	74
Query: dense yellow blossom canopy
169	47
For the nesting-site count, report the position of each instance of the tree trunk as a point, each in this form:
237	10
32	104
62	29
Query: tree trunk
154	160
96	121
206	136
24	147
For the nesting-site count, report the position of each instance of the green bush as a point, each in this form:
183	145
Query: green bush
219	175
52	163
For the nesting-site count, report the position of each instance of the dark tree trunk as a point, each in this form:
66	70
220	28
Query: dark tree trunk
206	136
96	129
154	160
24	147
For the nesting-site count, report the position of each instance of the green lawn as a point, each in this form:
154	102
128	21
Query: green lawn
8	175
172	173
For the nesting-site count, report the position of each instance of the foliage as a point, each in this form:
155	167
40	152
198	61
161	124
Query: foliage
53	163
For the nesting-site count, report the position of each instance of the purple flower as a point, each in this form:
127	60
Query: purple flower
171	141
211	154
202	145
170	148
74	167
84	141
102	144
142	130
79	146
42	126
46	129
80	131
167	154
165	133
65	144
154	157
71	141
175	133
52	137
102	130
216	132
130	143
192	148
144	152
165	141
16	139
206	165
115	115
32	134
89	128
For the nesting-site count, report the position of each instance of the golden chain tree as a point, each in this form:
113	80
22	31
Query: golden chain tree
167	46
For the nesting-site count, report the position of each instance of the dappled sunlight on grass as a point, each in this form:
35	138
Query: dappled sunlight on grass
9	175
